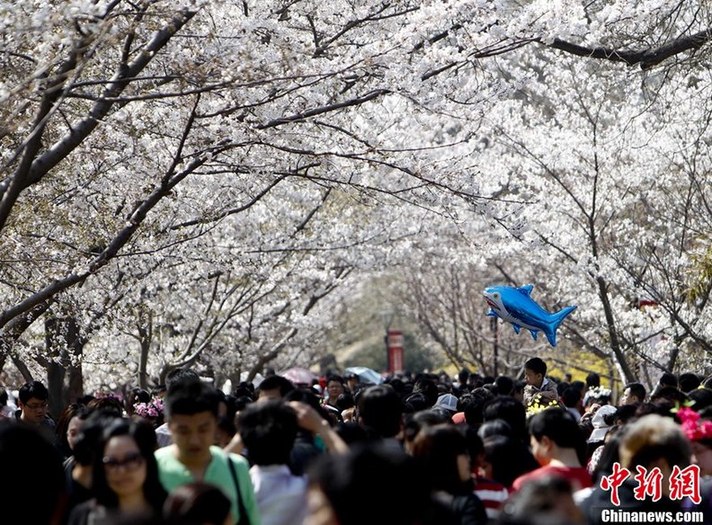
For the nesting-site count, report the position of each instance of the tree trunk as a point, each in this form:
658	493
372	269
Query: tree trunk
63	342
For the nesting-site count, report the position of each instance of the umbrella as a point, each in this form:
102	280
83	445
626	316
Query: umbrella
365	375
299	375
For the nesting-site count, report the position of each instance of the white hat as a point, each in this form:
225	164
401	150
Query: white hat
447	401
600	427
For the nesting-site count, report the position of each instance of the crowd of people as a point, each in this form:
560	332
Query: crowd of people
417	449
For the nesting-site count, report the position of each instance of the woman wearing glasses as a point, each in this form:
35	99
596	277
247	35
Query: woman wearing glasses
125	476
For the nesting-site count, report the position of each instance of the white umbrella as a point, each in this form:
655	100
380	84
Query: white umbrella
365	375
299	375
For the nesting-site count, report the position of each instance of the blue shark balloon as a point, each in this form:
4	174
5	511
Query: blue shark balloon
516	306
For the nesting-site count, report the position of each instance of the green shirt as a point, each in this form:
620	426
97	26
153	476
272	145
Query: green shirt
173	474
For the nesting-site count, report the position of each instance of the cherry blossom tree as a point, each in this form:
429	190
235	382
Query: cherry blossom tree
152	146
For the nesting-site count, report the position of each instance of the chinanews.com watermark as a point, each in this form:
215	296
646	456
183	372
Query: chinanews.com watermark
684	484
640	516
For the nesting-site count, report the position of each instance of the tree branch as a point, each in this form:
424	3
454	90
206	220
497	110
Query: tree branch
646	58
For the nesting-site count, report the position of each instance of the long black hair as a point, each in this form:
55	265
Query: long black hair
144	435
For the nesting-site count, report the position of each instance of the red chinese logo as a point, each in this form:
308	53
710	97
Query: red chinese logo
614	481
649	484
684	483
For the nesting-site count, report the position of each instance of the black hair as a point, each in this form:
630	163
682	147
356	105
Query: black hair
415	403
345	401
191	397
33	389
89	437
180	374
536	365
381	410
415	422
335	377
669	393
570	397
558	425
495	427
668	379
436	449
399	491
276	382
510	410
268	430
509	458
71	411
144	436
505	385
688	381
539	497
593	380
637	389
428	387
701	397
473	408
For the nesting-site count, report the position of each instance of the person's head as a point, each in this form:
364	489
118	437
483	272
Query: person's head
688	381
669	394
654	441
345	401
69	425
633	393
416	421
176	375
134	397
504	385
197	503
88	441
126	466
427	386
346	488
668	379
448	403
352	381
593	380
494	427
274	387
380	410
571	397
268	430
444	457
553	431
702	455
534	371
511	411
32	398
334	387
602	422
701	399
548	499
505	459
463	375
106	404
33	479
191	411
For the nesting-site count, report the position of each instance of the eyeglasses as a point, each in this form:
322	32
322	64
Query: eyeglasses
36	406
131	461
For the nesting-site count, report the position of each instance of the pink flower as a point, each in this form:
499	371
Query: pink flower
691	425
